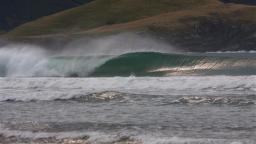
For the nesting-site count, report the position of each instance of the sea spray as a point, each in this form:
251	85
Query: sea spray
117	44
34	61
22	60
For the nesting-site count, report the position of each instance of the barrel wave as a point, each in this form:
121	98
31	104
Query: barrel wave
38	63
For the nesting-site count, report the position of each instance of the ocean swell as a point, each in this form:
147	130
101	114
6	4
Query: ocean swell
107	89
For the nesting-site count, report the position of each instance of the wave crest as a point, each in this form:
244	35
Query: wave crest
196	100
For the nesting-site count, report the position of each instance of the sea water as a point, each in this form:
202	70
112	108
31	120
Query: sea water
150	110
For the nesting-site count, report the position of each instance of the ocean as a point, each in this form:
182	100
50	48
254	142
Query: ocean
133	98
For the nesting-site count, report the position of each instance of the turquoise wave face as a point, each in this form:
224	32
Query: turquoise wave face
160	64
137	64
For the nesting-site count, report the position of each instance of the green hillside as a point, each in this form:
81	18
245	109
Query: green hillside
193	25
104	12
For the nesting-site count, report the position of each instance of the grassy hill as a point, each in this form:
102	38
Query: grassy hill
104	12
215	27
193	25
250	2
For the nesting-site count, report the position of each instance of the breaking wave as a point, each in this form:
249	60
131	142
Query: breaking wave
35	62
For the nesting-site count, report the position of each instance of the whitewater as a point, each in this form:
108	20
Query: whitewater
140	96
169	110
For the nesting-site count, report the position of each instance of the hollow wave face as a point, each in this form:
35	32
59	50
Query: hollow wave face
163	64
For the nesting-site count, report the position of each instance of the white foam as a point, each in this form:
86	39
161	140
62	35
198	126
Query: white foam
26	89
147	139
94	137
22	60
32	61
101	137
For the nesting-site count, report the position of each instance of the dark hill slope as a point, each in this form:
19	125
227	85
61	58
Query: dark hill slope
82	1
16	12
249	2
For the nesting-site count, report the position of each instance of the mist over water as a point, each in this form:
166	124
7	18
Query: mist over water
21	60
118	44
